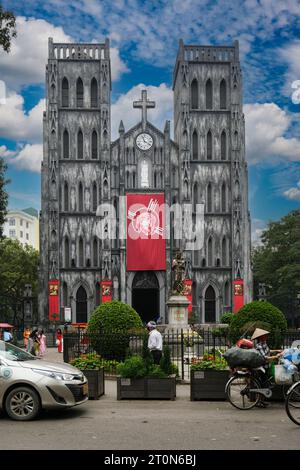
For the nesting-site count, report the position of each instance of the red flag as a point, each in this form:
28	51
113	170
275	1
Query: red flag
106	291
238	294
188	293
146	243
53	287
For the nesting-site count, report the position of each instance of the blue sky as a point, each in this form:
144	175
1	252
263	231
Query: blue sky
144	39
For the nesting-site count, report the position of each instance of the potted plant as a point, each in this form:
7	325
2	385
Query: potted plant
93	368
139	377
208	378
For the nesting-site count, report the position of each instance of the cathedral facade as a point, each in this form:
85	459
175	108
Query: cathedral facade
82	169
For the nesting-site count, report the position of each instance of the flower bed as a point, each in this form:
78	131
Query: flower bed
93	368
208	378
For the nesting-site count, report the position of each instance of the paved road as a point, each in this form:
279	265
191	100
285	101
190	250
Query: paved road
182	424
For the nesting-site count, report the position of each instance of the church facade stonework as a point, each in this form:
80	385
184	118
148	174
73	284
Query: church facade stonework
83	169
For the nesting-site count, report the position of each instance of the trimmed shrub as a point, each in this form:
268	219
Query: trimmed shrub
226	318
259	314
110	328
133	368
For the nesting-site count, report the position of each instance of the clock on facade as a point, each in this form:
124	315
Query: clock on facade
144	141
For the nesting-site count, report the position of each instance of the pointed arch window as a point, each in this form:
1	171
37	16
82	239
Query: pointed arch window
224	252
127	179
80	145
195	196
79	93
227	294
66	149
210	252
94	93
209	198
194	94
223	198
133	179
209	146
80	252
66	196
209	94
67	253
195	145
65	93
94	145
52	93
65	294
94	197
155	179
223	103
80	197
223	146
95	252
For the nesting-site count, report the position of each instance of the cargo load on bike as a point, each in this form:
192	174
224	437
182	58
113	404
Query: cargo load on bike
247	358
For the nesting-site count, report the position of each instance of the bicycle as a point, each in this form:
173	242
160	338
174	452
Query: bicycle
292	403
245	389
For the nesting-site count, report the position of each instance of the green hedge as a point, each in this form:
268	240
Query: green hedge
259	314
110	326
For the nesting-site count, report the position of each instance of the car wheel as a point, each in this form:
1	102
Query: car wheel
22	404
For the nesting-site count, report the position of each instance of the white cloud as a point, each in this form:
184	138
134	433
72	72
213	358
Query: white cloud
4	152
290	54
29	158
15	124
266	126
123	107
293	193
257	228
26	62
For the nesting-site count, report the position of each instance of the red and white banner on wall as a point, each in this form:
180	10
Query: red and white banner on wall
146	243
106	291
188	293
238	294
53	296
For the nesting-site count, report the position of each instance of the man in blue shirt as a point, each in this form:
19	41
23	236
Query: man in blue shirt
7	336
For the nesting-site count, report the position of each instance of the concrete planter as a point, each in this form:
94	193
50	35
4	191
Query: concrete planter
95	378
208	384
146	388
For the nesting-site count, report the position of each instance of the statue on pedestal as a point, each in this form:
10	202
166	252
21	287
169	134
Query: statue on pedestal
178	265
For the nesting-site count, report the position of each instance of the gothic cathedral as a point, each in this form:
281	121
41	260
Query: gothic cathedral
82	170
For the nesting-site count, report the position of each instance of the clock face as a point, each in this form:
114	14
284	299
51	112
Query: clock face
144	141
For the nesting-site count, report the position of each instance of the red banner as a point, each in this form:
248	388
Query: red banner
188	293
238	294
146	243
53	296
106	291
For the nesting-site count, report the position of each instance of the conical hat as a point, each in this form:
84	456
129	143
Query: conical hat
259	332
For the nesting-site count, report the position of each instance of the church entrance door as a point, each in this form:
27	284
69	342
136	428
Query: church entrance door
81	305
210	305
145	295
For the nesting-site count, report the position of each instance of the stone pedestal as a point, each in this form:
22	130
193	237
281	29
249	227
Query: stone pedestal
178	312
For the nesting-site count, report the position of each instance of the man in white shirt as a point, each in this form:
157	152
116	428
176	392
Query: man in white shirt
154	342
7	336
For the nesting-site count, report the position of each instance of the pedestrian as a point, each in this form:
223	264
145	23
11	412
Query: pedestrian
26	335
261	336
33	343
42	338
154	342
59	340
7	336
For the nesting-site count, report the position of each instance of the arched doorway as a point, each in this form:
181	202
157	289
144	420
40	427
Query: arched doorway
81	305
145	295
210	305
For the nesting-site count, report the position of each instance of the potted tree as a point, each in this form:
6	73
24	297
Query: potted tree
208	378
92	367
139	377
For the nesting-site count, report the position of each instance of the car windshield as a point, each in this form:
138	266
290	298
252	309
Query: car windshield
12	353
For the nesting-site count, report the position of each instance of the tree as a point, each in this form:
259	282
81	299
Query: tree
3	196
18	267
277	264
7	28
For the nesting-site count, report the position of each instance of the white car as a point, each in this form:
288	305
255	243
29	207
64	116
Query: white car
29	384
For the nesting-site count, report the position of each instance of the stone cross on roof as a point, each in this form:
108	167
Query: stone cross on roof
144	104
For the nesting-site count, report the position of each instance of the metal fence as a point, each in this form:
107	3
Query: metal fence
186	346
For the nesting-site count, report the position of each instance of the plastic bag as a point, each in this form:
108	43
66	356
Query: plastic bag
237	357
282	375
57	342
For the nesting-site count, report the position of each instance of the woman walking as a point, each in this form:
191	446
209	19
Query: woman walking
42	338
59	340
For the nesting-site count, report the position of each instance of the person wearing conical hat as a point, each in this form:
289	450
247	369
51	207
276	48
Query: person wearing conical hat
261	336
